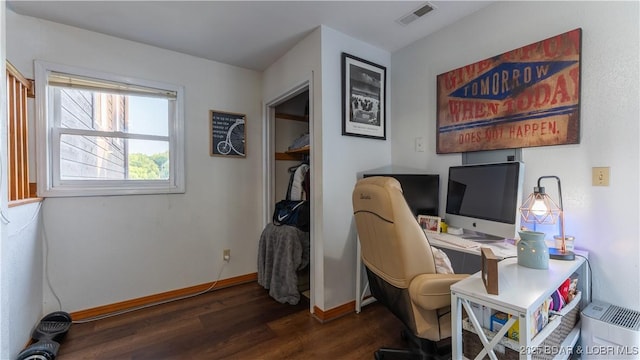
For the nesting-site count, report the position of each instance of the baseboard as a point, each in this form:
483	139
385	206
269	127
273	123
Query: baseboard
157	298
334	313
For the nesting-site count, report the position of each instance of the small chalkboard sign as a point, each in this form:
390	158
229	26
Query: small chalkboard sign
227	134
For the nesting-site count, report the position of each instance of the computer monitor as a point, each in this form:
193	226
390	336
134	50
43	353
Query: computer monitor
421	191
483	199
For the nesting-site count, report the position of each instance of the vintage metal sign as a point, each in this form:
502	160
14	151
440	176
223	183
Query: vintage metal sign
525	97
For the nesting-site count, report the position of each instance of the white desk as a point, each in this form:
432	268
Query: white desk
500	248
522	291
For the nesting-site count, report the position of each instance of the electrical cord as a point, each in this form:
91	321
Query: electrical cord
590	275
46	262
106	316
116	313
35	214
588	269
5	220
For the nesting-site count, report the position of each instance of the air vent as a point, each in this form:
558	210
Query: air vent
416	14
626	318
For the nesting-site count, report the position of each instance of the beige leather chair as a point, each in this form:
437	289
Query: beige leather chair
401	268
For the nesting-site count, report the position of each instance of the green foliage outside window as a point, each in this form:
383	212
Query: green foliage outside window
149	167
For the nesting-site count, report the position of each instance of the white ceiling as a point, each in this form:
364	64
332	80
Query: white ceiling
249	34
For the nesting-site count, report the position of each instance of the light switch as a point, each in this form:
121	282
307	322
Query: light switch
600	176
420	144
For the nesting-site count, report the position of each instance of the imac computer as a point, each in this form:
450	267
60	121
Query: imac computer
483	200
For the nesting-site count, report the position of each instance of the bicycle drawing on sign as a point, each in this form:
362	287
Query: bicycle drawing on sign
227	134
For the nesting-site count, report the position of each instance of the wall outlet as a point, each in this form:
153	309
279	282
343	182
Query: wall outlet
600	176
226	254
419	144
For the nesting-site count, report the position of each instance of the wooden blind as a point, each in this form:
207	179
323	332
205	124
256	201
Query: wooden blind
18	89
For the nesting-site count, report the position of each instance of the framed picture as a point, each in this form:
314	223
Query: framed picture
525	97
429	223
227	134
489	268
363	98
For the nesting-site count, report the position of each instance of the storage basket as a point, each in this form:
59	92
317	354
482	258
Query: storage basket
548	349
471	344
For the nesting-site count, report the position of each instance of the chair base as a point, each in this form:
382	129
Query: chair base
419	349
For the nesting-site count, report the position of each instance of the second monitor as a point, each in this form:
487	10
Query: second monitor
421	191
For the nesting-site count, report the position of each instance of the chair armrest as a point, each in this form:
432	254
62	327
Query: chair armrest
432	291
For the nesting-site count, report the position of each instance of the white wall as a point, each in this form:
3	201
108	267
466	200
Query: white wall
110	249
20	248
603	219
335	159
23	270
21	266
343	158
298	66
4	291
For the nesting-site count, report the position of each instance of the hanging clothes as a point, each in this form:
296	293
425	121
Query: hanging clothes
296	189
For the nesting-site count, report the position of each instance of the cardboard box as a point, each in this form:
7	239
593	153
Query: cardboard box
499	319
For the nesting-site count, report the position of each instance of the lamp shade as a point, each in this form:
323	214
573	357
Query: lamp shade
540	208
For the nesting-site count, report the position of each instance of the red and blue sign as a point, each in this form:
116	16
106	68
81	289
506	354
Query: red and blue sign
526	97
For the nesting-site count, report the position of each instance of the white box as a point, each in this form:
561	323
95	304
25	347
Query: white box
487	312
483	314
478	311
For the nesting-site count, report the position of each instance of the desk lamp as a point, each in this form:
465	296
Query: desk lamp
540	208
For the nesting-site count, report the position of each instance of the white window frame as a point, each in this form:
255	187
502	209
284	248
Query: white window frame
48	137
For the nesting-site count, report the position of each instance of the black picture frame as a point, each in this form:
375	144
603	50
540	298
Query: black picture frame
227	134
363	98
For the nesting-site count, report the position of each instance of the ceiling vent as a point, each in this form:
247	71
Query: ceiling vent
416	14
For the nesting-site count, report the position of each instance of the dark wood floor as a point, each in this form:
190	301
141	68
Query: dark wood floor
240	322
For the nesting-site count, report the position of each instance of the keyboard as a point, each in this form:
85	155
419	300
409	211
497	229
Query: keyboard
455	240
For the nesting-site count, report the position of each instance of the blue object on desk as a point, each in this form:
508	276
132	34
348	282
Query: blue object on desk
532	250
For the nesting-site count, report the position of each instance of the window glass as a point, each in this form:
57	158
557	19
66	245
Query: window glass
109	137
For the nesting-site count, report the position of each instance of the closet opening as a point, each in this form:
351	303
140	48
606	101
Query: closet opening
288	165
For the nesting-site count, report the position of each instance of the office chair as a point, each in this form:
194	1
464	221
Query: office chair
401	269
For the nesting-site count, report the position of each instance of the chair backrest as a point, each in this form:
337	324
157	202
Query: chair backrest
393	244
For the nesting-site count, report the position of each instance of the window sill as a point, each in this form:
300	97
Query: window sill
15	203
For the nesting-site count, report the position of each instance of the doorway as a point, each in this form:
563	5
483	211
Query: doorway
288	144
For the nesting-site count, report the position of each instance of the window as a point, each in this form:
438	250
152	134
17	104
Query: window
106	134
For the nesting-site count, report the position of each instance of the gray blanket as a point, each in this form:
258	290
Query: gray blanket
283	250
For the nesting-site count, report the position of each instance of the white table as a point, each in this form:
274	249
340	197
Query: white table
501	248
521	291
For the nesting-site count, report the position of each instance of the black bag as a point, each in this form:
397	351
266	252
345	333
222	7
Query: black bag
292	212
